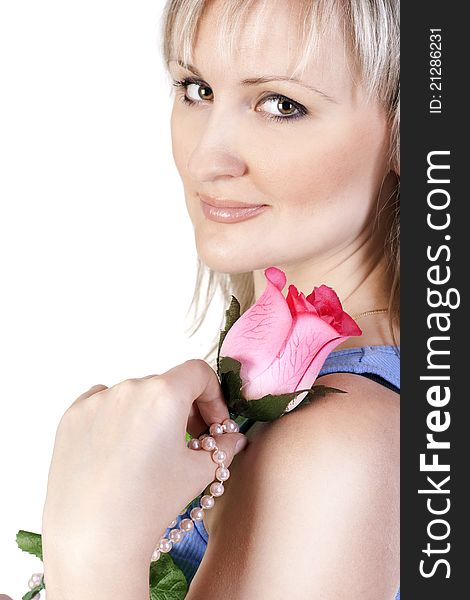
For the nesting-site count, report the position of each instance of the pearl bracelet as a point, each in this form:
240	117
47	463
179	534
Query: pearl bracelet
204	442
33	582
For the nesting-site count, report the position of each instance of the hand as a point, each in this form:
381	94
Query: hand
121	469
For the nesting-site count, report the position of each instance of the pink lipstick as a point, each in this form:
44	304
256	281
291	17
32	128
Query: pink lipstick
223	210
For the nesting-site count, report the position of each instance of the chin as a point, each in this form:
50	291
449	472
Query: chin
230	259
223	264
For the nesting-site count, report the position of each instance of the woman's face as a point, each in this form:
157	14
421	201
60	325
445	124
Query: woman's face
313	151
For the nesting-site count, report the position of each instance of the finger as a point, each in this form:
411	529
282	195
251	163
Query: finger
93	390
196	381
196	424
231	444
99	387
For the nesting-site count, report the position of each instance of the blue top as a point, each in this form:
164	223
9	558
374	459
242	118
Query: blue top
380	363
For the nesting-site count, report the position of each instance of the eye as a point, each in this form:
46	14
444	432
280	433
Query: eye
194	91
200	92
279	108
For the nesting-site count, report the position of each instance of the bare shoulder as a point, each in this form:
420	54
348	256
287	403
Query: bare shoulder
368	411
311	509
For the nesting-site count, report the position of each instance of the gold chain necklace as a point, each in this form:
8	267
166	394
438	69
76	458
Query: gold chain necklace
370	312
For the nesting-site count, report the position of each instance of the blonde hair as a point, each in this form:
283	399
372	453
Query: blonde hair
371	31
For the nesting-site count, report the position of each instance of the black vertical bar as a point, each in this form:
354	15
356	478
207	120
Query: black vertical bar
434	125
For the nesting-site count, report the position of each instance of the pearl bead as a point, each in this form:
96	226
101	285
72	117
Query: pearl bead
216	429
217	489
34	580
194	444
176	535
231	426
222	473
197	514
207	502
208	443
219	456
165	545
186	525
156	554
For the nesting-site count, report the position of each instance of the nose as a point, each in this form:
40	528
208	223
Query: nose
214	156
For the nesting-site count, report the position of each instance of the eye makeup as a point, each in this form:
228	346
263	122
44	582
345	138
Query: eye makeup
275	99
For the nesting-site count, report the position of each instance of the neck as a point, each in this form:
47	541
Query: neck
358	274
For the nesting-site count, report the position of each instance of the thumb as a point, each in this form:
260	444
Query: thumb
231	444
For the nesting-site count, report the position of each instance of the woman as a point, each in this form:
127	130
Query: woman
284	132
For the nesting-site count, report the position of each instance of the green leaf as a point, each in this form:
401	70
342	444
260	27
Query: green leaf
267	408
319	391
167	580
244	424
230	380
30	595
232	314
29	542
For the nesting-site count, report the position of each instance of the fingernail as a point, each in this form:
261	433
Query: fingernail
241	444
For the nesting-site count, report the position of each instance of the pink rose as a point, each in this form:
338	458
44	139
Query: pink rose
282	343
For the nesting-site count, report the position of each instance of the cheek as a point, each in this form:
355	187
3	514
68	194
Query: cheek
179	143
324	169
183	139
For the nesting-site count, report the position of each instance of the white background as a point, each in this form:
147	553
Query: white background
97	257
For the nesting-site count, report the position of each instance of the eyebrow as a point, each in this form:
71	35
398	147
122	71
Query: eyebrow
263	79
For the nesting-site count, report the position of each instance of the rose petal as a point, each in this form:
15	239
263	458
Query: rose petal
328	306
308	336
314	368
297	302
259	334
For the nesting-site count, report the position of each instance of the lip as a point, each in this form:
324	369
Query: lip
223	210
